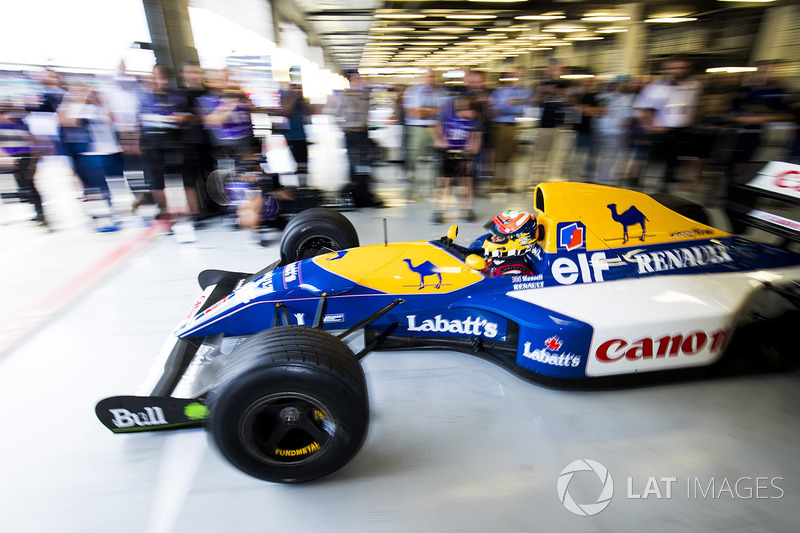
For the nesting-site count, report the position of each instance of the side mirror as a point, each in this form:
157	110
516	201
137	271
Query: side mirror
539	232
475	262
452	232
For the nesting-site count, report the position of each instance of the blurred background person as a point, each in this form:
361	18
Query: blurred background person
352	115
82	122
584	107
162	114
298	113
421	104
611	130
18	154
198	161
550	97
483	169
761	100
507	103
457	135
226	112
666	110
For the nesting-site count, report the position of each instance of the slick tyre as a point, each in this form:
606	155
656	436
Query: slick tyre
316	231
291	405
683	207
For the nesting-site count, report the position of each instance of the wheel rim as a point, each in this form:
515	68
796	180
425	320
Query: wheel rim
286	429
316	246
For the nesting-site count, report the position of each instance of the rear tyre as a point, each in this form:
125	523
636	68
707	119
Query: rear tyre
291	405
316	231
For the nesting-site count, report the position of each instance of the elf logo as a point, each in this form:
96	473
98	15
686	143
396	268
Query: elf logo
152	416
589	268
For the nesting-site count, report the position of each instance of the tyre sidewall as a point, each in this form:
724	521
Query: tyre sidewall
317	223
229	404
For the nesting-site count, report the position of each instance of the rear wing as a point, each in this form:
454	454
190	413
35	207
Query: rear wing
768	201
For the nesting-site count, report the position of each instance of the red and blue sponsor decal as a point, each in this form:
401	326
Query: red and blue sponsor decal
560	354
571	236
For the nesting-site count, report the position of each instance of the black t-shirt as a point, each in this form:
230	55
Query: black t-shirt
554	100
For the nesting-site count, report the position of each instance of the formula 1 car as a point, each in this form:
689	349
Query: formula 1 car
622	286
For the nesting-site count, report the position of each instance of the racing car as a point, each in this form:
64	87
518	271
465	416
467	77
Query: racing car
614	284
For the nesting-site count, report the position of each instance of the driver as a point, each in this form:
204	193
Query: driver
511	240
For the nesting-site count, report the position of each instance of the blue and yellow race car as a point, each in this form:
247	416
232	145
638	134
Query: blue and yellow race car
594	283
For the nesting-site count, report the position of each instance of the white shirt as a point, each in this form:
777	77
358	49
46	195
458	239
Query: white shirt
674	105
421	96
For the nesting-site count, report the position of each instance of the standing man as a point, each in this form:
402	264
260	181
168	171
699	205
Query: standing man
198	162
666	111
297	112
458	137
421	103
161	117
551	98
352	115
508	103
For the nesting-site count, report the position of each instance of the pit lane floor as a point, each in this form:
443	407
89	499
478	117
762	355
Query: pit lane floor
455	443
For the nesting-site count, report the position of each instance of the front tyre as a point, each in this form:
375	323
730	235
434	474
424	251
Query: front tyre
291	405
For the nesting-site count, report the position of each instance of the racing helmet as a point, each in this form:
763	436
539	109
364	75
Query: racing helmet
512	233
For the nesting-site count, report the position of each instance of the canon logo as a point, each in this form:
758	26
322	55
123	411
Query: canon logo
666	346
788	180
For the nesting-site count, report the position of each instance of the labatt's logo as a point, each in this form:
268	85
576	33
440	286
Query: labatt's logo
468	326
666	346
547	357
678	258
152	416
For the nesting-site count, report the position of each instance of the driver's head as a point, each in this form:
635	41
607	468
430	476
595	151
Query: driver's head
512	233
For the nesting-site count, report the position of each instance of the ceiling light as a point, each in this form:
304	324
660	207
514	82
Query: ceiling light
671	19
604	18
452	29
393	28
470	17
545	16
509	28
731	70
486	36
611	29
584	38
399	16
563	28
576	76
434	37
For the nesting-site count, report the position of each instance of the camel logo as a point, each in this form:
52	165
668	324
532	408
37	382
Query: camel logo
424	270
586	509
631	217
571	236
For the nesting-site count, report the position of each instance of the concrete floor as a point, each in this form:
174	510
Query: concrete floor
455	443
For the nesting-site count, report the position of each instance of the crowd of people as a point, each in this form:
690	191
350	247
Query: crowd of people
126	125
613	132
466	137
